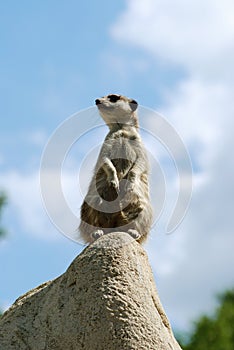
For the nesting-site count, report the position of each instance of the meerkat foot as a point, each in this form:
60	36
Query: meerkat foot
134	233
97	234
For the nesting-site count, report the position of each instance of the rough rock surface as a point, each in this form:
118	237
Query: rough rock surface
106	300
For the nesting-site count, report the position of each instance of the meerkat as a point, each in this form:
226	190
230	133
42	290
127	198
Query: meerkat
118	194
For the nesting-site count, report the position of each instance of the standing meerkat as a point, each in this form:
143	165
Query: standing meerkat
118	195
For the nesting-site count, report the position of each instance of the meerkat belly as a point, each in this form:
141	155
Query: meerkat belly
123	157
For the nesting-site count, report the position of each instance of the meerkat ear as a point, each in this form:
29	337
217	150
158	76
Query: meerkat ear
133	105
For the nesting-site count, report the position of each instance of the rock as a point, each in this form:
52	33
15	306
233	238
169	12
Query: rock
106	300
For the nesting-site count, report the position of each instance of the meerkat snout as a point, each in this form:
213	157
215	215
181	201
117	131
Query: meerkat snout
97	101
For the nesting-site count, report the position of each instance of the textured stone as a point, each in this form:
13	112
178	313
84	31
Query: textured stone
106	300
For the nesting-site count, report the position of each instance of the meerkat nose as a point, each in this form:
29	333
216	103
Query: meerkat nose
97	101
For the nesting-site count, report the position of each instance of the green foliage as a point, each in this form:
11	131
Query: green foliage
3	201
214	332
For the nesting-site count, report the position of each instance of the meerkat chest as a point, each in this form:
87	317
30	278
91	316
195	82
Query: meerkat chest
123	146
123	151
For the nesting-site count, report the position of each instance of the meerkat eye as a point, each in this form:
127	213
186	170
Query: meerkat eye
113	98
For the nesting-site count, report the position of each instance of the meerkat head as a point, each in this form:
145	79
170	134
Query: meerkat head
117	109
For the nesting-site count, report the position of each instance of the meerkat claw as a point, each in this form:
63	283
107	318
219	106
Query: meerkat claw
134	234
97	234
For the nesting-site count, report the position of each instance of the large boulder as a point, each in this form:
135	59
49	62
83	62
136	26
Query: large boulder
106	300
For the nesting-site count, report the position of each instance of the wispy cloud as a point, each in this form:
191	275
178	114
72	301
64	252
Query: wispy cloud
197	35
25	204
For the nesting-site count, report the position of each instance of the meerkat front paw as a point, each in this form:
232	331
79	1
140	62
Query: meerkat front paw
97	234
134	233
114	183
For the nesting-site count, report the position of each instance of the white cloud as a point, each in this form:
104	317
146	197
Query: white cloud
26	206
197	35
196	261
202	114
47	209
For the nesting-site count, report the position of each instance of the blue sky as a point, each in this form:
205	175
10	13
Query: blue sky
56	58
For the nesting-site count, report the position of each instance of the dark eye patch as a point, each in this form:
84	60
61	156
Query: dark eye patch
113	98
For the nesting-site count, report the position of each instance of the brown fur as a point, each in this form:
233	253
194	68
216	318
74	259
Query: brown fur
118	195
